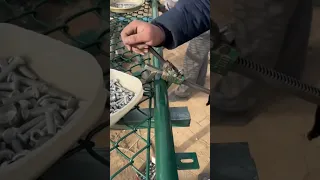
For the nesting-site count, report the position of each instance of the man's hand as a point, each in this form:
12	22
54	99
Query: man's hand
139	35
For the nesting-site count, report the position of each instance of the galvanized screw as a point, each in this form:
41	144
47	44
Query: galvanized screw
6	155
66	113
10	86
22	132
33	102
43	101
10	137
9	94
54	92
119	96
30	124
35	135
40	126
71	103
24	70
8	116
13	65
58	120
20	155
41	110
30	93
50	124
26	81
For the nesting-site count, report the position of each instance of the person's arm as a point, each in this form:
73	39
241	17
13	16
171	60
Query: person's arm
185	21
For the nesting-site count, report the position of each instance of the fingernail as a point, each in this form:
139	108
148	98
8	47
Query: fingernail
146	51
142	54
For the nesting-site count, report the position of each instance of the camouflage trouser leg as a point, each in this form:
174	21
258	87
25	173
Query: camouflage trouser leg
195	62
273	33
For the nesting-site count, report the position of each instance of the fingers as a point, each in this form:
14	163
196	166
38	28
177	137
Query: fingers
134	39
140	49
131	35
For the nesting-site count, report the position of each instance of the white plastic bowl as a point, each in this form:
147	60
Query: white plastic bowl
137	3
64	67
131	83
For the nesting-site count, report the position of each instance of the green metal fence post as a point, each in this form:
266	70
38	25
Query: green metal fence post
165	154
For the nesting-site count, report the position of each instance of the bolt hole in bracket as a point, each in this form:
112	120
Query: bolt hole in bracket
187	161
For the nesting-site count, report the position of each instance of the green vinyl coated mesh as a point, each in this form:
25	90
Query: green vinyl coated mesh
87	25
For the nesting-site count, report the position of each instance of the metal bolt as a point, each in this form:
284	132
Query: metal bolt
16	146
23	88
30	93
33	102
26	81
50	124
10	86
13	65
24	70
66	113
35	135
71	103
40	125
30	124
24	104
54	92
6	155
9	134
119	96
8	116
10	137
20	155
3	63
58	120
41	110
8	94
43	101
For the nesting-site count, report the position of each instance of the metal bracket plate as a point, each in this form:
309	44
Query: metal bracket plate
180	117
186	161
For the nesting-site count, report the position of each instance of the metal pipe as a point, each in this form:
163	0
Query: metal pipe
165	154
166	166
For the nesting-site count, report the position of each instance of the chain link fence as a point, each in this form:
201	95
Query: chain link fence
88	25
68	21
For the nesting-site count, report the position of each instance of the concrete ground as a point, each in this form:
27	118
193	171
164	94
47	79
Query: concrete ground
277	137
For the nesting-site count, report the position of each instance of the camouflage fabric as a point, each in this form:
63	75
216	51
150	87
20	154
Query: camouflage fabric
270	32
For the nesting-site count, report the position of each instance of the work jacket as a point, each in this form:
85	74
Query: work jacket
187	20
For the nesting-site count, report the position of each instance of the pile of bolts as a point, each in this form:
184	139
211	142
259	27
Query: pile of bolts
152	172
31	112
119	96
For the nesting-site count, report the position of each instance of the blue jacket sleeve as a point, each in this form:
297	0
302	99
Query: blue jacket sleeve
187	20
